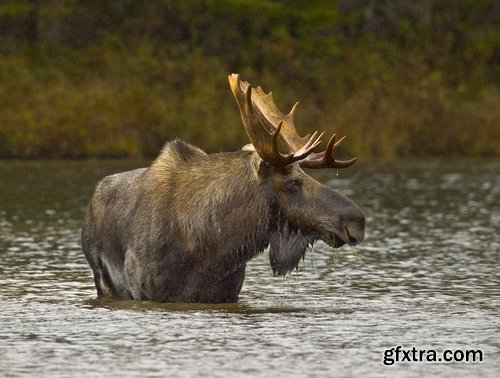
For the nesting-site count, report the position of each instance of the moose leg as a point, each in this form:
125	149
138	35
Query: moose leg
227	290
102	285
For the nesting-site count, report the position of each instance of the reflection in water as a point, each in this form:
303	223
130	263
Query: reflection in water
426	276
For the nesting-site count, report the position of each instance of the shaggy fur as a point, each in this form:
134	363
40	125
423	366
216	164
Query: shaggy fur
183	229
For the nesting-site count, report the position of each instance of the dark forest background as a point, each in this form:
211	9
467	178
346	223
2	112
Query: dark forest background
117	78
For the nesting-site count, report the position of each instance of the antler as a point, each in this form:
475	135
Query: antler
257	125
261	107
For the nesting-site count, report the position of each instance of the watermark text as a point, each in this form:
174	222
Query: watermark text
400	355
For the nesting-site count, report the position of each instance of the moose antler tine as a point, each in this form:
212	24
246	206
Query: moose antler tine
234	80
313	141
334	163
341	163
318	139
338	143
344	163
259	89
310	145
331	144
294	108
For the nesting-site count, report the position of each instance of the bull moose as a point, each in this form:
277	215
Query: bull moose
183	229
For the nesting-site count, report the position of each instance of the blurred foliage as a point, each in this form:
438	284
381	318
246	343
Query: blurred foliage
118	78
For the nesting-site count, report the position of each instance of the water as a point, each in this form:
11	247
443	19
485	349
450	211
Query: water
426	277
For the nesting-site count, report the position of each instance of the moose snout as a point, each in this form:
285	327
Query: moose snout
349	225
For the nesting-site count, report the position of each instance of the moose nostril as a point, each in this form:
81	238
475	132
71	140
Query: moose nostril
350	239
355	234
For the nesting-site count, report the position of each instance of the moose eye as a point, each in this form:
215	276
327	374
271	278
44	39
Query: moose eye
293	185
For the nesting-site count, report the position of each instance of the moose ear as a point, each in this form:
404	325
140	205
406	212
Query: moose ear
248	147
287	247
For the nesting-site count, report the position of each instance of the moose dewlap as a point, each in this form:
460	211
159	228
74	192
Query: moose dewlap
183	229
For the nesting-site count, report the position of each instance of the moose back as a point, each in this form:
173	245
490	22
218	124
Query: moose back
183	229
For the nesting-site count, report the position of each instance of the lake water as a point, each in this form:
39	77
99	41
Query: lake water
426	277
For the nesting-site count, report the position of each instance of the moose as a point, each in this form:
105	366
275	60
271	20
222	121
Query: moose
183	229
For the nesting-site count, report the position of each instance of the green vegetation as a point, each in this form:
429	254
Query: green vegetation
118	78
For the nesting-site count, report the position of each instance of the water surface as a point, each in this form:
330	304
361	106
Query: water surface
426	276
